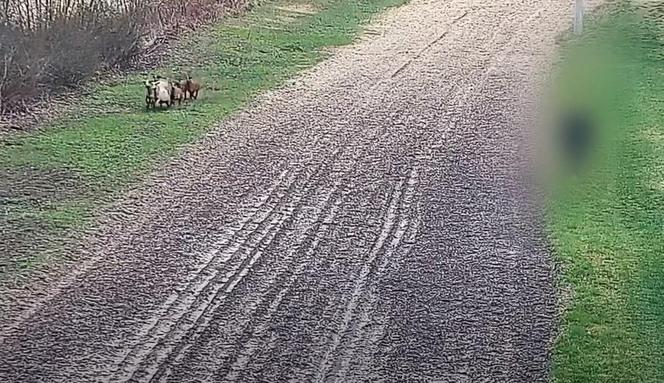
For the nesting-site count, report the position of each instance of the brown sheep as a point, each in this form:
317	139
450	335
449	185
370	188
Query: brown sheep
191	87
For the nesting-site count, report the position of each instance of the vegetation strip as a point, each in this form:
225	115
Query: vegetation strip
608	224
54	180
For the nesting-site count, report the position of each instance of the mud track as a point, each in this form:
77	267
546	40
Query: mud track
368	222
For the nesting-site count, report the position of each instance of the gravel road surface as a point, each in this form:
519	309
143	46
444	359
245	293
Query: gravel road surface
368	222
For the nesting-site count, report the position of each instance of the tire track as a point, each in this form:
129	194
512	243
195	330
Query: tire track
248	249
392	227
348	168
155	373
428	46
176	358
247	351
176	307
197	316
408	228
244	356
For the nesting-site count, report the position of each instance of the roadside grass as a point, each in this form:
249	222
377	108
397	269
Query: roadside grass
51	182
607	224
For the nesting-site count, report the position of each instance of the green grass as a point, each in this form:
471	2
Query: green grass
111	141
608	224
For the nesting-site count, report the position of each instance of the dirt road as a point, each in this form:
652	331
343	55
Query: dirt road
367	222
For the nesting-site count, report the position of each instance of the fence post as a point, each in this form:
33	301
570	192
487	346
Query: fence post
578	17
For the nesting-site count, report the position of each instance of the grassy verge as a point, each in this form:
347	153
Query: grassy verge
51	182
608	224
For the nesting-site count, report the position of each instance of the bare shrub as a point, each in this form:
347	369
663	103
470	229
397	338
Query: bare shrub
18	74
119	39
71	54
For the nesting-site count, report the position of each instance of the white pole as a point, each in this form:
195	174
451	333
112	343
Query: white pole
578	17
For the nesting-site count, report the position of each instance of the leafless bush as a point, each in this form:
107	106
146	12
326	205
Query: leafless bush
18	76
47	45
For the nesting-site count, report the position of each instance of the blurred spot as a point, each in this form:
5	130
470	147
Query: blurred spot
577	137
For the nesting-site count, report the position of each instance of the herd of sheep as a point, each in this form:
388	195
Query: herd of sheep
161	91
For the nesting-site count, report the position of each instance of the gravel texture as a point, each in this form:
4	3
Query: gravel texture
368	222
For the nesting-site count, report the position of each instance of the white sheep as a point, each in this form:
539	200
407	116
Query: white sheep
163	92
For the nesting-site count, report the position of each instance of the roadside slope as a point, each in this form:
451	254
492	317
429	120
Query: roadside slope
369	221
